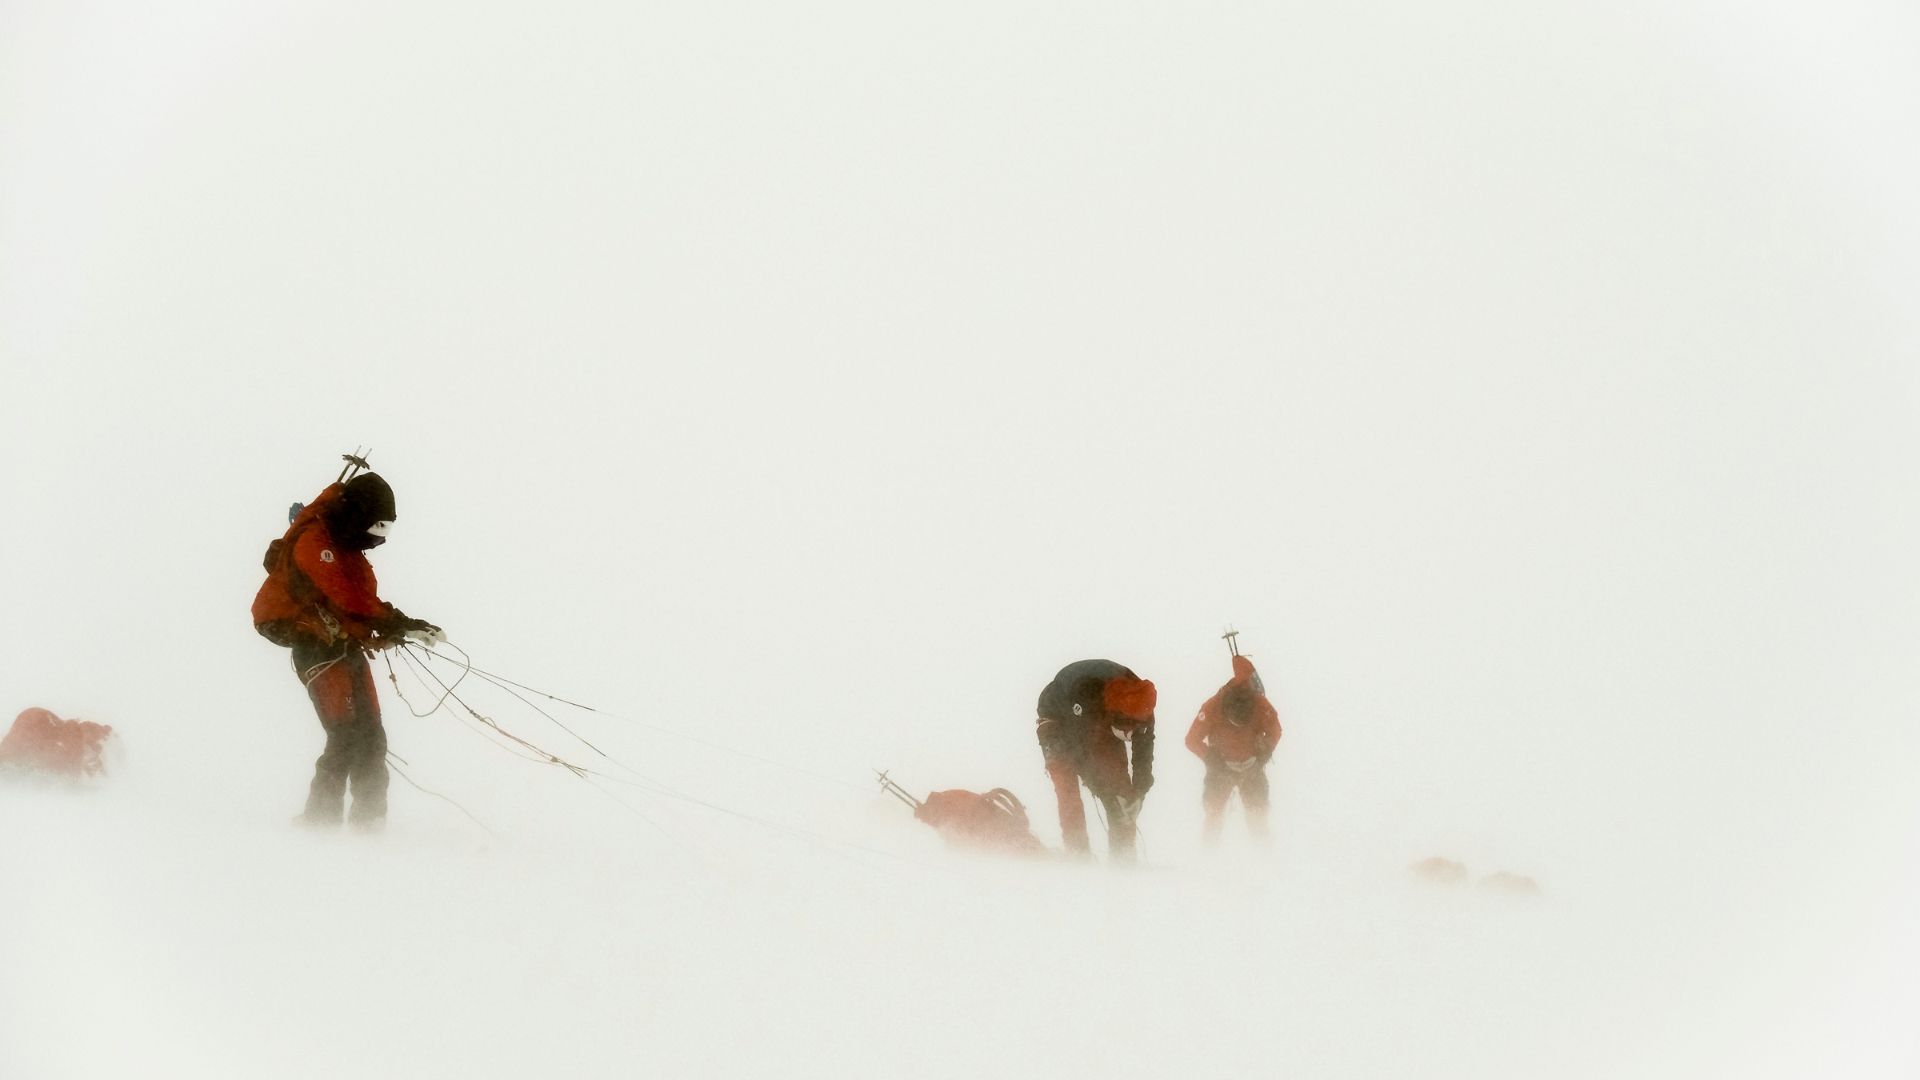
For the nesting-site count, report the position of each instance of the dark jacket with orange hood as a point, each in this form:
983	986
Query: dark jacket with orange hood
1096	718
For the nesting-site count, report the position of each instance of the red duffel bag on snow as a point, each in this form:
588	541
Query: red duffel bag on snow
39	741
995	821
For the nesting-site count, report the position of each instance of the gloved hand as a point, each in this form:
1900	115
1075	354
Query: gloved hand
400	626
1142	783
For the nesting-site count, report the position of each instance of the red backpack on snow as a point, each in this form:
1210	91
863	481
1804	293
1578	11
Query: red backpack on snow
995	821
40	741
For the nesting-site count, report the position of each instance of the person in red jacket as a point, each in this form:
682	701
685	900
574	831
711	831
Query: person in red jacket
1235	733
322	601
1095	719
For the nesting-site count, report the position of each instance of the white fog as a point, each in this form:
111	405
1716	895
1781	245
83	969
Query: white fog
1534	388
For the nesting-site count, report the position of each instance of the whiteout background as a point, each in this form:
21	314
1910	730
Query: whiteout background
1536	389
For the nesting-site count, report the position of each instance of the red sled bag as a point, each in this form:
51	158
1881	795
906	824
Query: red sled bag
995	821
39	741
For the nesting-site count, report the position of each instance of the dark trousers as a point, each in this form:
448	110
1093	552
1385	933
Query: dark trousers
339	682
1219	786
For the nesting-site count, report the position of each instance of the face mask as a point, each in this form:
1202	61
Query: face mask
380	529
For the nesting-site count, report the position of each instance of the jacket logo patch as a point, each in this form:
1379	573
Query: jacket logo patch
326	555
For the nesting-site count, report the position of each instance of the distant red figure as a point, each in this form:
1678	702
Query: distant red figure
1235	734
43	742
995	821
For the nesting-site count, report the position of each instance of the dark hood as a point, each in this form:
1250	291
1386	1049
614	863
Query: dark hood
367	499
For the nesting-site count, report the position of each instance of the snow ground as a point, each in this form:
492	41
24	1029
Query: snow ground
162	929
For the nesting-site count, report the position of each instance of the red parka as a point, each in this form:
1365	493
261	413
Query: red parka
1257	729
316	590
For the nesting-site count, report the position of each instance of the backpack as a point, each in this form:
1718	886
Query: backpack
40	741
287	610
1012	812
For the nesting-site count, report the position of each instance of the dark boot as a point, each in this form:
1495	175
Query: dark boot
1253	796
369	776
1121	831
1215	790
326	796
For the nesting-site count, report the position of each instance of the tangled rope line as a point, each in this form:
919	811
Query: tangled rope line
416	658
510	686
394	761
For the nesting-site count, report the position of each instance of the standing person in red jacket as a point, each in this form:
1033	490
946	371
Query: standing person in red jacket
1096	718
321	600
1235	734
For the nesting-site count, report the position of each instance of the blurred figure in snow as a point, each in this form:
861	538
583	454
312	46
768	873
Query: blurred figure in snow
1235	733
321	601
1096	719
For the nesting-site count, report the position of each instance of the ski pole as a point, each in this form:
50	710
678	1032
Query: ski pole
887	785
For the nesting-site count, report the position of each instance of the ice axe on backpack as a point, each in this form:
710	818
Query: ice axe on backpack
354	463
1233	649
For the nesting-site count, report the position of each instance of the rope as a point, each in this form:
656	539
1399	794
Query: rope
387	658
541	755
657	788
555	720
721	747
319	669
408	648
1139	837
394	761
535	753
